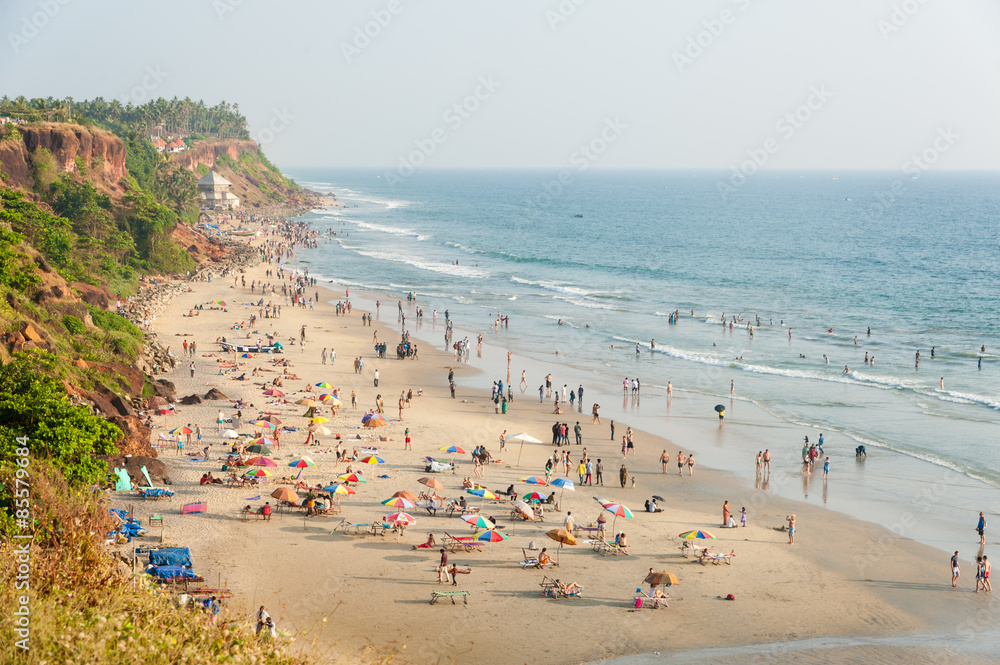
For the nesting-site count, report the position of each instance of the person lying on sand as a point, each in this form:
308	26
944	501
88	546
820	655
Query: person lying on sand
426	545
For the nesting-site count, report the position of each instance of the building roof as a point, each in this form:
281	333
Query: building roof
212	178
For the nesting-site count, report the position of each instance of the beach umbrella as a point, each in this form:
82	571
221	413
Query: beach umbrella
222	302
491	536
229	434
662	577
399	503
401	518
533	496
265	424
285	494
565	484
259	449
272	419
524	509
533	480
310	412
339	488
259	473
319	420
523	437
658	497
182	430
601	500
352	478
274	392
302	463
330	399
261	461
264	441
405	495
618	510
372	459
478	521
563	537
246	355
373	420
323	385
325	431
452	449
692	535
719	408
308	402
433	483
485	493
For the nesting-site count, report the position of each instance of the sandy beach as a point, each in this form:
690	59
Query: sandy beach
346	594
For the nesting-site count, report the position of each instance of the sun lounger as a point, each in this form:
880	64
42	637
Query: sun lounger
438	595
716	558
605	548
641	600
376	528
154	493
462	543
689	546
577	529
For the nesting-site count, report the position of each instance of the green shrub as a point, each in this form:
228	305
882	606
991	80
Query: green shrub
74	325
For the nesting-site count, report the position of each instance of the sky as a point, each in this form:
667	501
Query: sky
729	84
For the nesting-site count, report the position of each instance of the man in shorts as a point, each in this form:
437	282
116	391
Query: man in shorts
955	572
680	463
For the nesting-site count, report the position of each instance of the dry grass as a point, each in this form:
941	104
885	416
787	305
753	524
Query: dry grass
87	609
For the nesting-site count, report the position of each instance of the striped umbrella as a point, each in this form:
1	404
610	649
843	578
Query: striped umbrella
401	518
259	473
491	536
261	461
265	424
182	430
302	463
534	480
565	484
533	496
399	503
274	392
478	521
323	385
352	478
372	459
618	510
691	535
452	449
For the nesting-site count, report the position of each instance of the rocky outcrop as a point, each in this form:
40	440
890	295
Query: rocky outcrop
208	152
94	296
215	393
102	153
156	469
191	399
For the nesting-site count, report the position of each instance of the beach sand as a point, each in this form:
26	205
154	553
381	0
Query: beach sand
347	593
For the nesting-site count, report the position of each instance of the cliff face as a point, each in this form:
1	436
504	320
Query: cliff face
238	162
102	153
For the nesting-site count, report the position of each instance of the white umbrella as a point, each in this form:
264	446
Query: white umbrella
229	434
522	437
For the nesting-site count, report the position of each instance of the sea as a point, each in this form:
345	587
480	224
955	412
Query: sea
825	266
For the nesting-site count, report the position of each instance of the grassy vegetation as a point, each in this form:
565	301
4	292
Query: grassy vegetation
86	609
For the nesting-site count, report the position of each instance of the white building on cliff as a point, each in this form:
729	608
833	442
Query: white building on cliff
215	194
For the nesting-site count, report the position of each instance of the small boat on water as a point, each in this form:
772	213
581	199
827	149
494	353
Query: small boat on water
578	215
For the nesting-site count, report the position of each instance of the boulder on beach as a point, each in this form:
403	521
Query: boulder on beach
191	399
215	393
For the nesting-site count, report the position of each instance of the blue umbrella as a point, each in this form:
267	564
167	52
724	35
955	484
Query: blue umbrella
565	484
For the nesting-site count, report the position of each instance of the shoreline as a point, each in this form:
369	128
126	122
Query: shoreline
610	580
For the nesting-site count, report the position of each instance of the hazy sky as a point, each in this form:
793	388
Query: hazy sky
884	78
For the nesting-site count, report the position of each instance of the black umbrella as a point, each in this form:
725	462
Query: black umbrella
719	408
658	497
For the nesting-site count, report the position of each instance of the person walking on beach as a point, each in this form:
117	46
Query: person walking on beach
191	367
612	430
680	463
590	473
578	431
407	440
767	461
690	464
600	471
955	571
981	528
323	356
596	413
443	567
979	572
664	458
376	378
987	586
791	529
623	476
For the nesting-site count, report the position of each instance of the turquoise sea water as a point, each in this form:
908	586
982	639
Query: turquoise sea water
825	255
